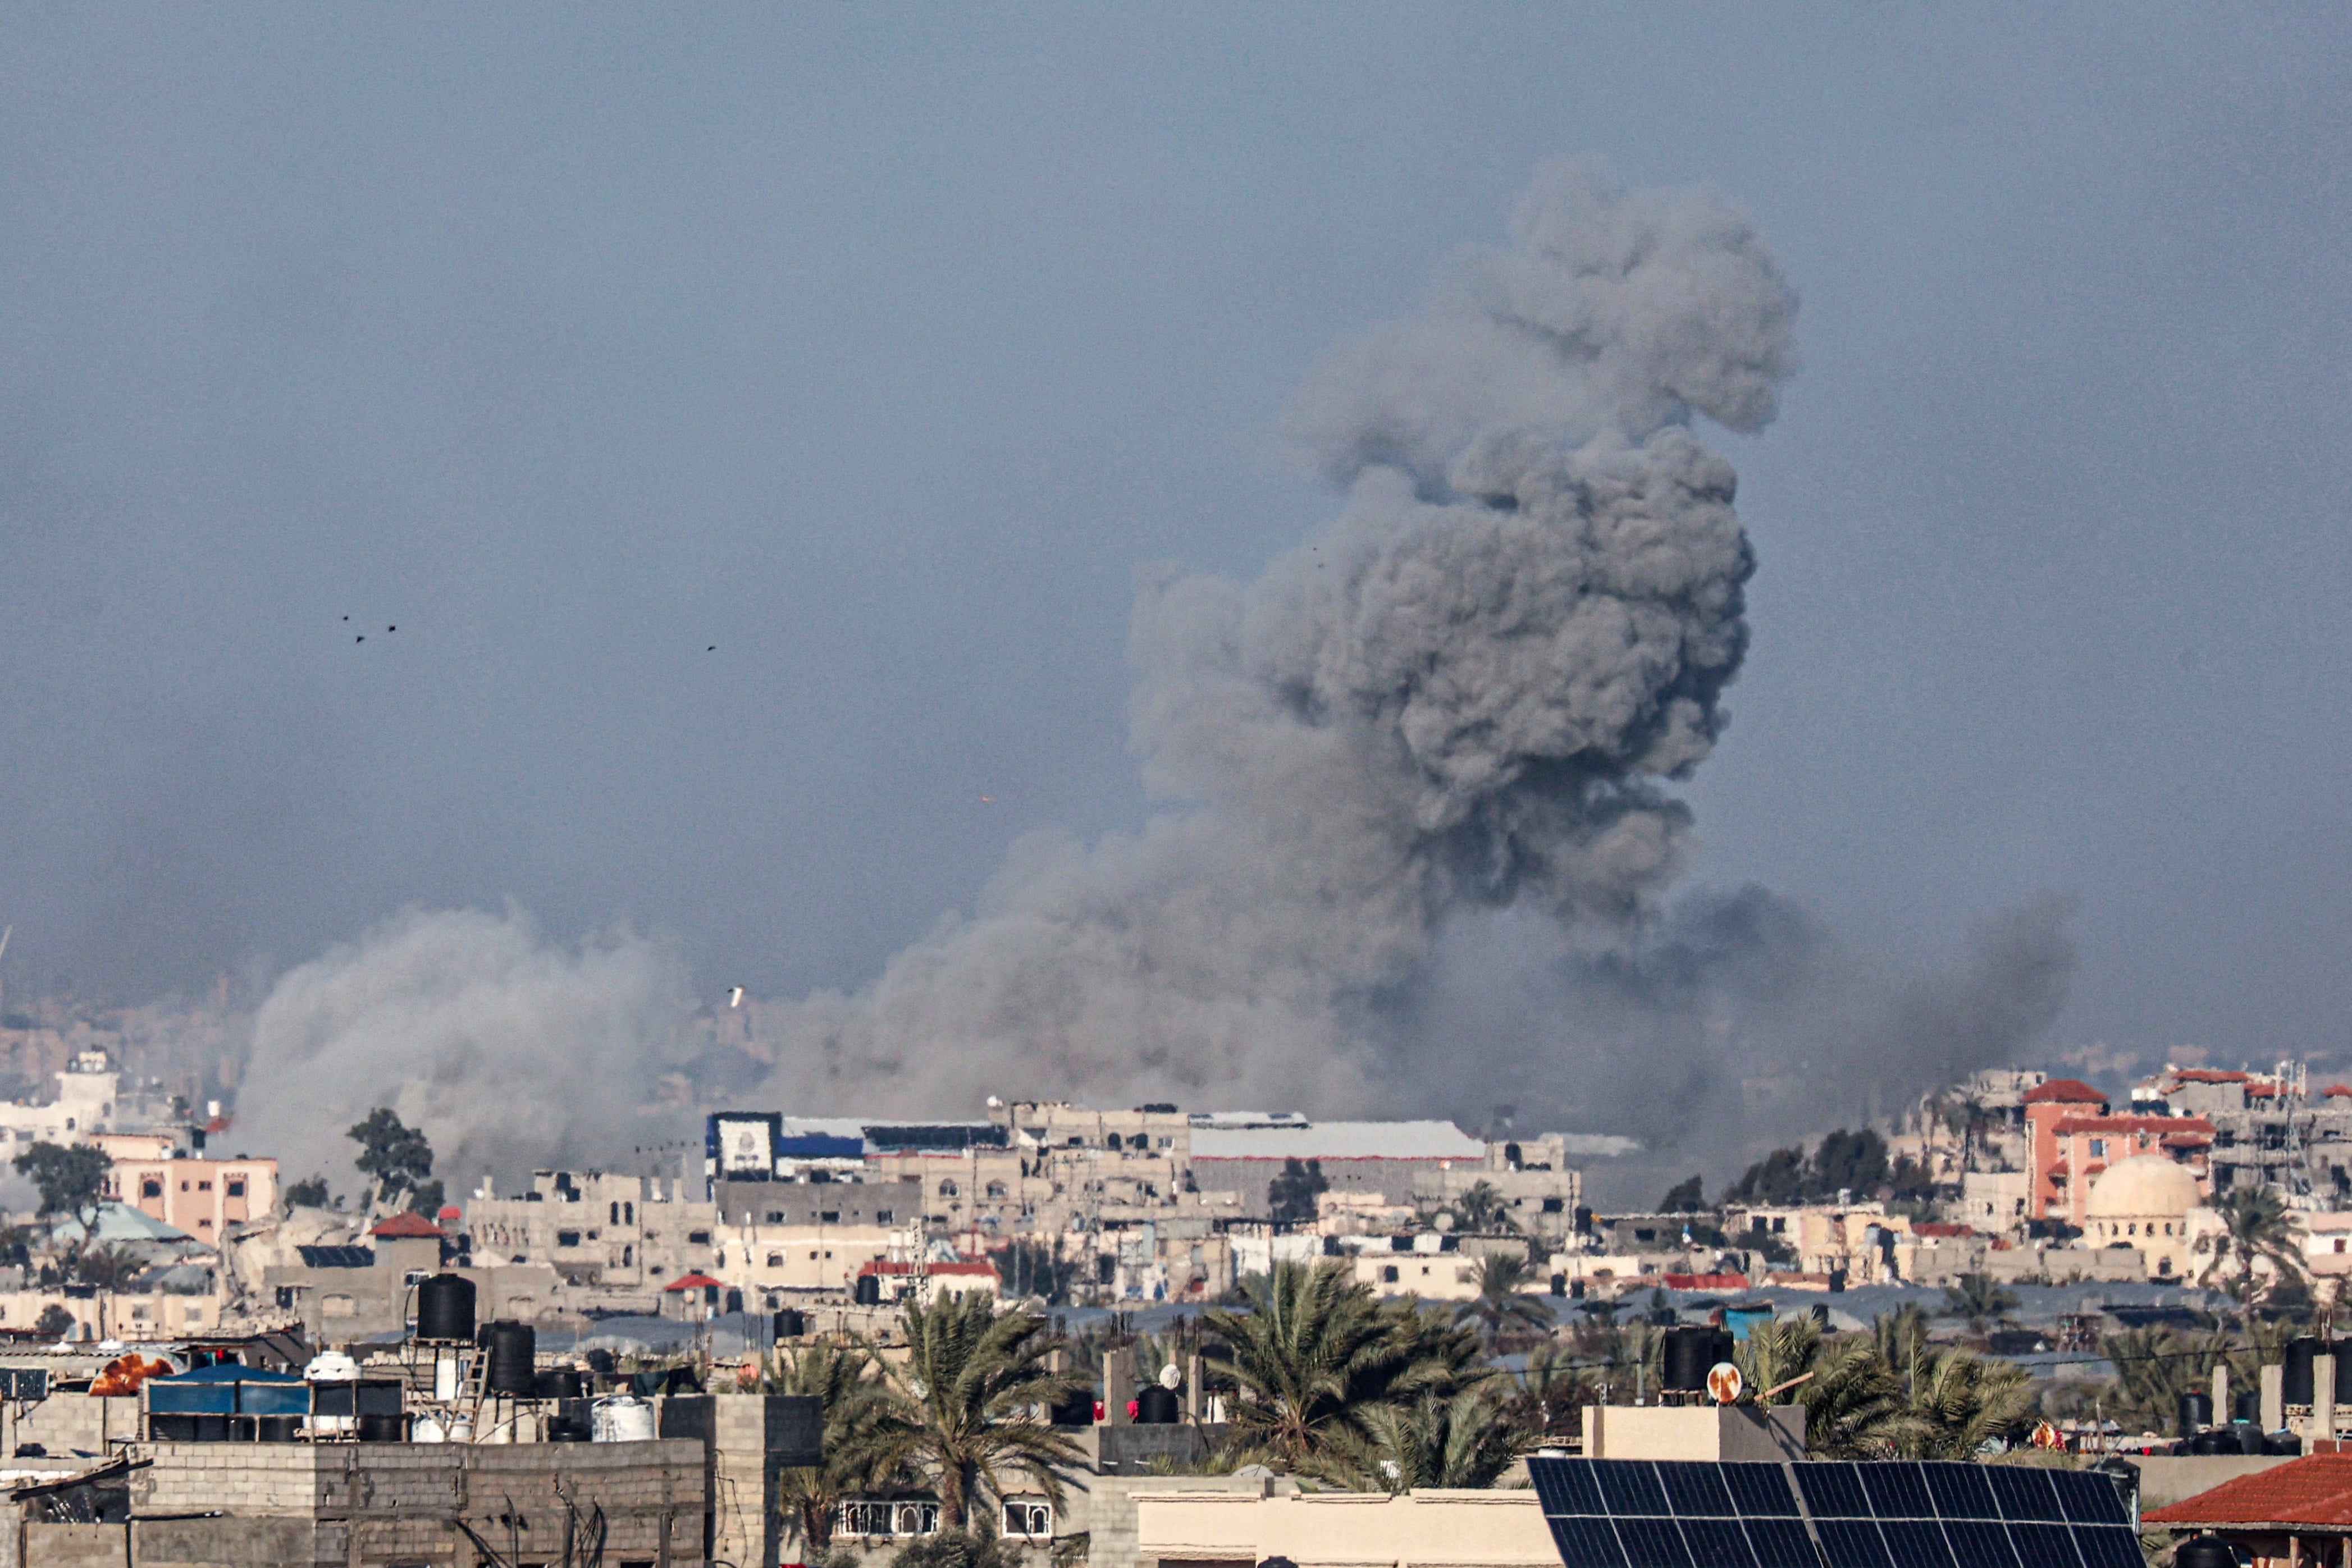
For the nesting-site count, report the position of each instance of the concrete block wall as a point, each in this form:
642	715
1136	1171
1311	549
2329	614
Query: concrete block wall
1103	1508
363	1505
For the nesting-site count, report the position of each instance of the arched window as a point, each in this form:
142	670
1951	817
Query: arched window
1110	1141
949	1189
996	1189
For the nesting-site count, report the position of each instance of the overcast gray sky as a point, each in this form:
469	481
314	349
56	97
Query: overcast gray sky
880	347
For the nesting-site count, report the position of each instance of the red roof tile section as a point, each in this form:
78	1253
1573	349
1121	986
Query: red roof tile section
402	1227
696	1281
2335	1091
2313	1491
2207	1076
2171	1127
2066	1090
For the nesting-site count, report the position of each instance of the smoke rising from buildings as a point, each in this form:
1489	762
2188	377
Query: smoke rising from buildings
1414	830
510	1051
1468	691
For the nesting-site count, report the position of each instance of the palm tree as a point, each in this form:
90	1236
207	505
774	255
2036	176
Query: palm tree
1980	1299
965	1402
1552	1394
856	1422
2255	1226
1854	1401
1462	1442
1963	1400
1501	1302
1315	1355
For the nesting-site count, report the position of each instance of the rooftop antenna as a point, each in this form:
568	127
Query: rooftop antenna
4	934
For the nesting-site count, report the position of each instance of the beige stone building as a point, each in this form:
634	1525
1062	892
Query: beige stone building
2146	1202
629	1235
1181	1528
201	1196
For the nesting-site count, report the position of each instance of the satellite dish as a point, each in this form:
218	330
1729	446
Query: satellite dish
1724	1383
918	1388
1170	1378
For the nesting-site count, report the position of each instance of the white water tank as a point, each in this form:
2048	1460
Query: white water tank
427	1430
619	1418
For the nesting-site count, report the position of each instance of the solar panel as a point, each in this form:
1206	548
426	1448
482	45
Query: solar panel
1832	1491
2044	1545
2089	1497
2024	1491
2107	1546
1697	1490
1586	1543
1960	1491
1636	1513
1718	1543
1630	1486
1896	1491
1917	1544
1761	1492
1783	1543
1852	1543
1652	1543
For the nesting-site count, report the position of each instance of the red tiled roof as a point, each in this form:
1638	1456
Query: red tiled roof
2186	1139
885	1266
2132	1124
2314	1490
2064	1091
1939	1229
2335	1091
696	1281
402	1227
2261	1091
1705	1281
2207	1076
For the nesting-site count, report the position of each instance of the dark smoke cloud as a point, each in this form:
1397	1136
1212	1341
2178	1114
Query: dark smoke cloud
1469	691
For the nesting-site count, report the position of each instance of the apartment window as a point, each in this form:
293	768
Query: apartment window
628	1217
184	1186
616	1214
881	1217
2098	1148
829	1217
204	1187
950	1190
237	1186
1029	1517
567	1238
775	1217
1389	1274
775	1260
996	1190
150	1188
628	1257
1551	1205
698	1237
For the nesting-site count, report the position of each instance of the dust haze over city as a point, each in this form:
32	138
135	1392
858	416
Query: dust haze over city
1678	586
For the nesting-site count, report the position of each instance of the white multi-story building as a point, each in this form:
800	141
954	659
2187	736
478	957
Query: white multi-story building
85	1104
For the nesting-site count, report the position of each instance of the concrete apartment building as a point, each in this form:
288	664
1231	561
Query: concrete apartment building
1143	1200
85	1104
202	1197
346	1293
621	1233
2268	1128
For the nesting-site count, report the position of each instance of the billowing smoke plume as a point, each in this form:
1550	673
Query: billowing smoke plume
509	1050
1467	691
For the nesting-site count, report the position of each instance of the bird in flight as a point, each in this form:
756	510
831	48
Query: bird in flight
712	649
361	638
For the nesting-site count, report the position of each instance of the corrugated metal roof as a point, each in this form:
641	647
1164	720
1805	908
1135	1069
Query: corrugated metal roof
1339	1141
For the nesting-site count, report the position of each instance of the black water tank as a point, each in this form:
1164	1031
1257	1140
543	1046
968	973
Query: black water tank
557	1383
444	1308
869	1289
1691	1350
1559	1285
510	1347
602	1364
2300	1351
2213	1441
384	1429
1078	1410
1156	1406
2195	1411
791	1324
2250	1439
2246	1405
2204	1551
